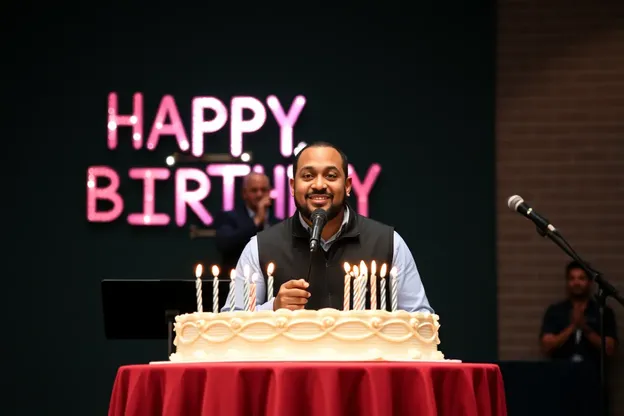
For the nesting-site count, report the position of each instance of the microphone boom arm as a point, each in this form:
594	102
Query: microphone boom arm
603	285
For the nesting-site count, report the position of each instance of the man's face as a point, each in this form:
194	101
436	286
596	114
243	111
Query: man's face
320	182
256	189
578	284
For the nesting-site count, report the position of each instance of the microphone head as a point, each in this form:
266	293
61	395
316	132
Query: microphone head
514	202
319	213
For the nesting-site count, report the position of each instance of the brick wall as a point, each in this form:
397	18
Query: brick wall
560	144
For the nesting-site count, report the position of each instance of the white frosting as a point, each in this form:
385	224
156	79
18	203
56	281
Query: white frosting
304	335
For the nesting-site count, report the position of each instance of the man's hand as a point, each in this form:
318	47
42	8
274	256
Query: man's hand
260	216
553	341
292	295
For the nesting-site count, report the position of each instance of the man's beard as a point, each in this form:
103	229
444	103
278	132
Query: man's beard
332	212
582	295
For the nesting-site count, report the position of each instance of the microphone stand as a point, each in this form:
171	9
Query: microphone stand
605	290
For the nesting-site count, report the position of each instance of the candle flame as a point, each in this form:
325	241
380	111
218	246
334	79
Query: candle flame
356	270
253	278
246	270
362	266
199	269
382	272
373	267
393	272
233	274
270	268
215	270
347	267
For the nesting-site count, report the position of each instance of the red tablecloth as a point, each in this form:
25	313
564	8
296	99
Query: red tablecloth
315	389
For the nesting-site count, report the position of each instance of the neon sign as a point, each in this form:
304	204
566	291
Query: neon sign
186	198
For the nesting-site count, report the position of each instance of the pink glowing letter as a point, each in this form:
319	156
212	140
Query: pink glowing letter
279	192
107	193
149	176
362	190
193	199
238	126
135	120
286	121
167	108
201	126
229	173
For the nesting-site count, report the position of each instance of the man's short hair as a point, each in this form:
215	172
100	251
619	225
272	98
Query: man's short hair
345	162
573	265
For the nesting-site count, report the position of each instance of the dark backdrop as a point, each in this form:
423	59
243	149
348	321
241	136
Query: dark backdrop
412	90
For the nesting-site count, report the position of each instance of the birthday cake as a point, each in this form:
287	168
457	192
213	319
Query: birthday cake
351	334
307	335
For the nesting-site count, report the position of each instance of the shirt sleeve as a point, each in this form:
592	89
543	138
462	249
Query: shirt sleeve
551	324
410	291
249	257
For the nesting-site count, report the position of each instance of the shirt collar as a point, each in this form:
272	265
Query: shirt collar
345	220
250	212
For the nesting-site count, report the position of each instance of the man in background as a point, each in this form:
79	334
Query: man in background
235	228
570	335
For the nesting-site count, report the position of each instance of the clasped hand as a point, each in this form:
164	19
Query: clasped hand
292	295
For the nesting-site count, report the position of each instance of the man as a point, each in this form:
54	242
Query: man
570	330
235	228
315	281
570	336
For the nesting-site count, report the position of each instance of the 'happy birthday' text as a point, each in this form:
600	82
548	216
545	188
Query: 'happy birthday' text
186	198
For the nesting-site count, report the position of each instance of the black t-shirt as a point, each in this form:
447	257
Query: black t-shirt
577	347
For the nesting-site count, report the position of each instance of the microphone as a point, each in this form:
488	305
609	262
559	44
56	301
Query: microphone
516	203
319	219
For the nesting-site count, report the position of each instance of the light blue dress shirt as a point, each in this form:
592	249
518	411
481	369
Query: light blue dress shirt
411	292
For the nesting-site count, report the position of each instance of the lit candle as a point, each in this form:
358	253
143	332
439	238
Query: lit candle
363	284
252	292
232	294
347	287
198	287
355	272
215	289
395	290
373	286
270	270
246	278
382	284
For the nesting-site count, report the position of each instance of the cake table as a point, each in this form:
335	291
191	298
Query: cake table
309	389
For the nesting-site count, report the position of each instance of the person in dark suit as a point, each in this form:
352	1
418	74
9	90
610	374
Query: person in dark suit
235	228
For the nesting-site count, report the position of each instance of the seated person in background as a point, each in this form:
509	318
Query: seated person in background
235	228
320	181
571	334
